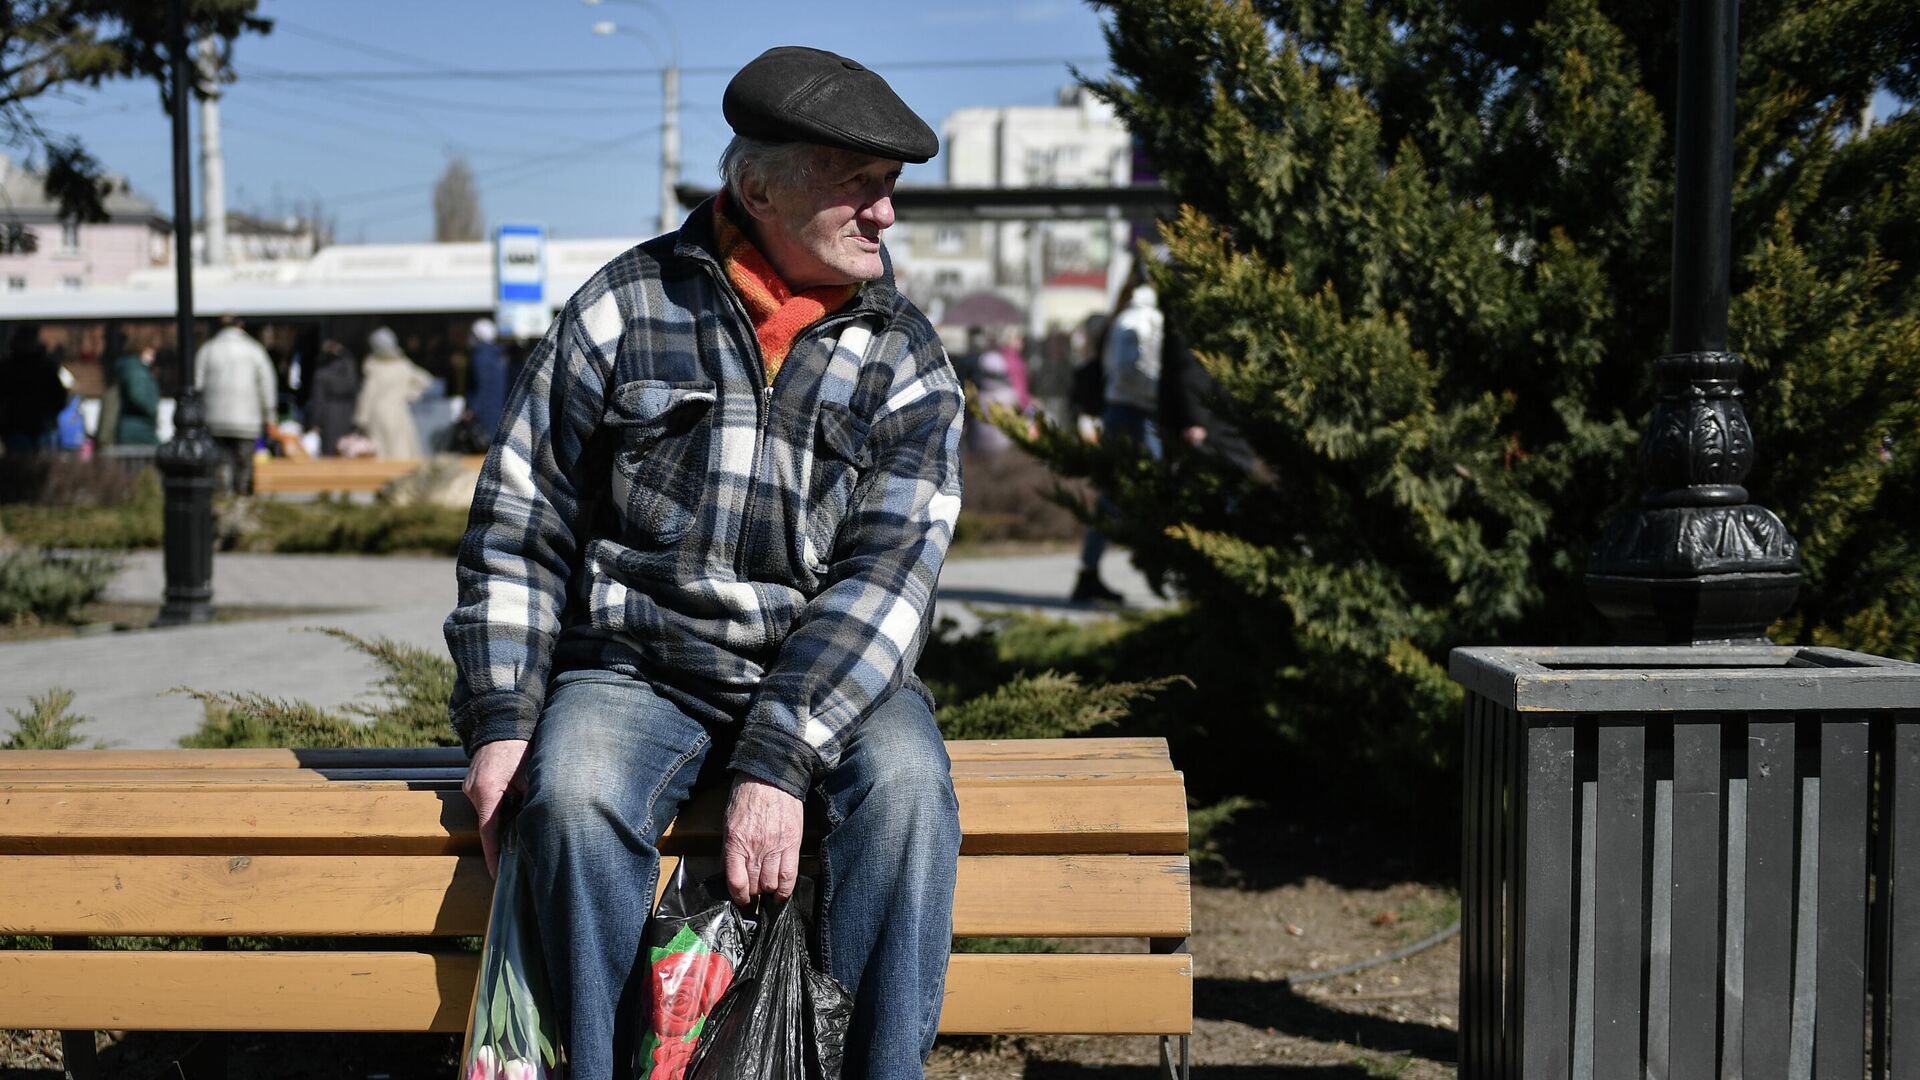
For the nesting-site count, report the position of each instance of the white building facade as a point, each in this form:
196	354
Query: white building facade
71	256
1075	143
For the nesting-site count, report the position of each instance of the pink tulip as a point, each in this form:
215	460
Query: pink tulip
486	1065
521	1069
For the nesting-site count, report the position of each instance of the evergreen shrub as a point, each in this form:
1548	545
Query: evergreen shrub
135	522
1424	250
44	587
330	526
408	706
46	723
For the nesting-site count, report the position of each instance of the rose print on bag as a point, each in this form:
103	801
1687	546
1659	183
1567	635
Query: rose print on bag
685	986
686	980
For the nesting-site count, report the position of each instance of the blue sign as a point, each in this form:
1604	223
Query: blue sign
520	269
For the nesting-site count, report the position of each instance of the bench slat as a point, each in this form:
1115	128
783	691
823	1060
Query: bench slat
283	475
447	895
1086	749
407	991
1067	994
1033	815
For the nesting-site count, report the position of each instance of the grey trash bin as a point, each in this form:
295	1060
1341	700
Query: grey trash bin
1690	862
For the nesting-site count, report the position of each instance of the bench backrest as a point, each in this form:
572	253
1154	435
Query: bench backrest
1079	838
284	476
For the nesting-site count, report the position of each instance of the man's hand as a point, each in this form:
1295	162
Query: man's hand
495	768
763	840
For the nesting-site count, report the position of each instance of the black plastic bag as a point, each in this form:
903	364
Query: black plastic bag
783	1019
694	944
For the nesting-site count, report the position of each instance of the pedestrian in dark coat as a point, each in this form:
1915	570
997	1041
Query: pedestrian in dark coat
139	420
336	386
1189	407
486	382
31	394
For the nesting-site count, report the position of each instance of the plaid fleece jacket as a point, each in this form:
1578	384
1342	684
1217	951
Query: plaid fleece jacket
759	555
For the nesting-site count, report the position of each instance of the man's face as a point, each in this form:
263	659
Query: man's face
826	229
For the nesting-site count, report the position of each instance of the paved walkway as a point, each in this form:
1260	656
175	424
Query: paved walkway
120	680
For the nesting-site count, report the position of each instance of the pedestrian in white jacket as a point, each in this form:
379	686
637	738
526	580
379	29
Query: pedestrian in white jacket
237	386
389	382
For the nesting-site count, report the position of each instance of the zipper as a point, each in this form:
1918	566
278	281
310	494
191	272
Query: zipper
763	401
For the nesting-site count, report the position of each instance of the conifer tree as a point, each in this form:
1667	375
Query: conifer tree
1424	248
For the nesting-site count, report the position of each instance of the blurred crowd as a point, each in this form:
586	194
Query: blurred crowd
317	398
1120	376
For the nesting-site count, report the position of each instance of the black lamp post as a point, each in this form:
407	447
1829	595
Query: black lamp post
1695	562
188	462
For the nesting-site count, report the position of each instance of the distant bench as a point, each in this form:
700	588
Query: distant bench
1062	838
288	476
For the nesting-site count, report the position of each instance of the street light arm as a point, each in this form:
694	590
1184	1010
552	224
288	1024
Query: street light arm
608	29
657	13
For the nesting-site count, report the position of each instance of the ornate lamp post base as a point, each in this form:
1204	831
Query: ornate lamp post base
188	465
1695	562
1733	609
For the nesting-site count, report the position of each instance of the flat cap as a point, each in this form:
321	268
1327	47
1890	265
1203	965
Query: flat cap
796	94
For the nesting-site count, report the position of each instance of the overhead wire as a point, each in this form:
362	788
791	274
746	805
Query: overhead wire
532	165
367	48
401	108
355	96
485	107
280	109
975	63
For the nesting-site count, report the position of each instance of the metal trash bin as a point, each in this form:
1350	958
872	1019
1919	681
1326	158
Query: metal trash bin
1689	862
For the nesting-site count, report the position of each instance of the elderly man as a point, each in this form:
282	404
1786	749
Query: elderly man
704	547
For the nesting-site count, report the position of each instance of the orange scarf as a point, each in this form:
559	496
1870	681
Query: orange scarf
779	314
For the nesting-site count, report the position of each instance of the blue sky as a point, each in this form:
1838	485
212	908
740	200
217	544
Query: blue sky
577	153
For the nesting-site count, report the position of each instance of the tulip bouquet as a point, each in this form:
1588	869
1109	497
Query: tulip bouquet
511	1032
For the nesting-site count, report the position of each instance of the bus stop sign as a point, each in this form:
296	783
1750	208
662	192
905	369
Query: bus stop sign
520	271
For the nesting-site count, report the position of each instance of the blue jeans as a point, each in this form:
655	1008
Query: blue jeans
1124	422
610	765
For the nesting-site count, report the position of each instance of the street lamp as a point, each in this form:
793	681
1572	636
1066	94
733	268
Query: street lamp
187	462
1695	561
670	87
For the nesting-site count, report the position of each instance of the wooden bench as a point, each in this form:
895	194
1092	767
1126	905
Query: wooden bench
287	476
1067	838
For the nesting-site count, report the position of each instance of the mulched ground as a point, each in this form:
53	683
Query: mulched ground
1305	902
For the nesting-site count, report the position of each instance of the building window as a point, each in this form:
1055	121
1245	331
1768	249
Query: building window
946	279
69	237
16	284
71	284
948	239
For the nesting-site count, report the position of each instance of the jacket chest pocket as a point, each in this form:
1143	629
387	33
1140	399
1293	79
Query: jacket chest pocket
840	456
662	455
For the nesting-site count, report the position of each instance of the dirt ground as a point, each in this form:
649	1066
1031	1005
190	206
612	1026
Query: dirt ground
1397	1020
1307	903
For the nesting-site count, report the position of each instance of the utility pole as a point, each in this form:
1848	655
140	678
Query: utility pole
187	462
670	97
670	148
1695	562
213	167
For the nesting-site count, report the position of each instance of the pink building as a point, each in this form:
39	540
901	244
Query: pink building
75	257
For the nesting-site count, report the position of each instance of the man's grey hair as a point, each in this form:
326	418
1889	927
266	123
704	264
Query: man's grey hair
781	164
